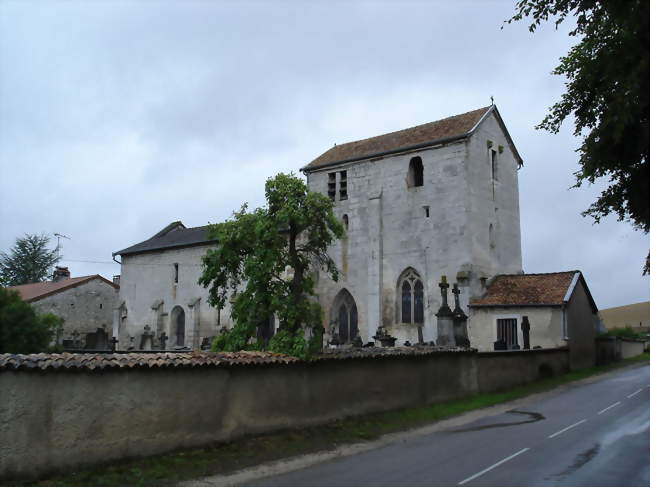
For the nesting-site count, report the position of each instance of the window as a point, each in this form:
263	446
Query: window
331	186
507	331
416	173
426	211
412	298
346	222
494	170
343	186
175	273
344	317
491	237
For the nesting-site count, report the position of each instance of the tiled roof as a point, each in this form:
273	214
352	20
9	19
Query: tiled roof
458	126
104	361
527	290
172	236
39	290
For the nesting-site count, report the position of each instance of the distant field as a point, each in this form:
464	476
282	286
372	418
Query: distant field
635	315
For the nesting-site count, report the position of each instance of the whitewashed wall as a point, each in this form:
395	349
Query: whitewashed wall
545	326
147	282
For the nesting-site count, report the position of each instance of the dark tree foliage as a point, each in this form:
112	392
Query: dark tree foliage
28	261
264	265
607	74
22	330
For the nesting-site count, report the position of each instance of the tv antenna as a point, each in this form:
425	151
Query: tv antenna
58	243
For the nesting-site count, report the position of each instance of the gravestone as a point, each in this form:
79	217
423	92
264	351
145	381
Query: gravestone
163	340
146	339
97	340
335	341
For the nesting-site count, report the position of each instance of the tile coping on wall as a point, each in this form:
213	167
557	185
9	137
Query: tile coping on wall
101	361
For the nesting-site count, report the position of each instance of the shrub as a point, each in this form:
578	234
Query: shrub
625	332
22	330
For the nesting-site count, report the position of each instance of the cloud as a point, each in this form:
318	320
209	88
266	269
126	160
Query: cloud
119	117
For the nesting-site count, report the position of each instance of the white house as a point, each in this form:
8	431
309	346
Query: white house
556	309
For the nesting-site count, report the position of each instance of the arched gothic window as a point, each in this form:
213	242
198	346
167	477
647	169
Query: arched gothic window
416	173
344	317
412	298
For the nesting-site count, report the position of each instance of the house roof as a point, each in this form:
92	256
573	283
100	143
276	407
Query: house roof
174	235
551	289
441	131
39	290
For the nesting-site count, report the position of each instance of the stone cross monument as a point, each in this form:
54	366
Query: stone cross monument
445	318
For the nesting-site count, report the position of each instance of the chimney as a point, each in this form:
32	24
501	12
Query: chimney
60	273
116	280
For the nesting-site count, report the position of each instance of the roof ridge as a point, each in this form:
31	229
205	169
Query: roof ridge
169	228
442	131
415	126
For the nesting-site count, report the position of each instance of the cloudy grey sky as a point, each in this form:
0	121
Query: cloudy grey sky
117	118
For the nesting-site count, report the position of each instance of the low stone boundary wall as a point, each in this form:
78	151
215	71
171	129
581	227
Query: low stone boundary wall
64	411
631	348
614	349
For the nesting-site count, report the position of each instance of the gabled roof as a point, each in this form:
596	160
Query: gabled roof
441	131
174	235
551	289
39	290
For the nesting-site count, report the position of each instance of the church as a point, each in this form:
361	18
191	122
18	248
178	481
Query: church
434	200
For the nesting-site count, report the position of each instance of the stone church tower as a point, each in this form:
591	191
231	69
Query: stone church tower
437	199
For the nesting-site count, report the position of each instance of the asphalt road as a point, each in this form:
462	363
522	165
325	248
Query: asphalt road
592	434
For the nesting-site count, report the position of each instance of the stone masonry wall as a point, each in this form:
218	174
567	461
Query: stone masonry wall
390	231
84	308
61	418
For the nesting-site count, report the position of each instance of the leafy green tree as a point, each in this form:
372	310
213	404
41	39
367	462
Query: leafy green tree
607	74
22	330
265	265
28	261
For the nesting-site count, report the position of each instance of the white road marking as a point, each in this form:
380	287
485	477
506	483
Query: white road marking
609	407
493	466
634	393
567	428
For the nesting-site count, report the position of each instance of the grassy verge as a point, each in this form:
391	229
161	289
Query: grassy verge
222	458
